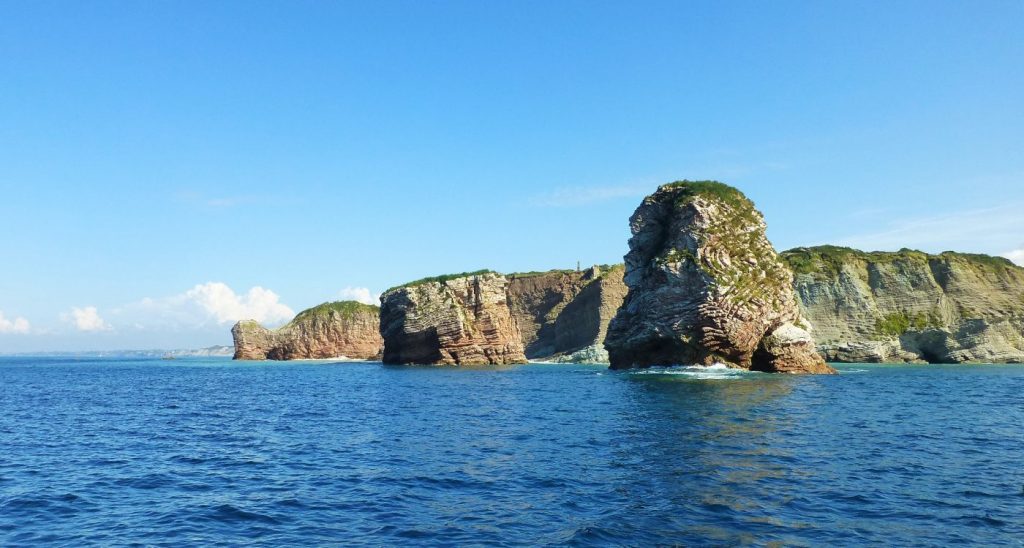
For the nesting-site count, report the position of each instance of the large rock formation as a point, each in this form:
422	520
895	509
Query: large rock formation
487	318
563	315
909	306
706	286
451	320
331	330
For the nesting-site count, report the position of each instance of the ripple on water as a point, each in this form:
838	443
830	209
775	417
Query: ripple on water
214	452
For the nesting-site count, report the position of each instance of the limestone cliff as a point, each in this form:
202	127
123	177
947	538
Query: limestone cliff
331	330
563	315
909	306
451	320
706	286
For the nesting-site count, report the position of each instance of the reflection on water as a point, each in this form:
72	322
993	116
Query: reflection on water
731	465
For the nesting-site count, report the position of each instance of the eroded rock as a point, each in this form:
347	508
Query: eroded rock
909	306
463	320
344	329
706	286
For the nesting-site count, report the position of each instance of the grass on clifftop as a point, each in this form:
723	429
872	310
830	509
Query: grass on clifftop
713	189
829	259
534	273
998	263
442	278
345	308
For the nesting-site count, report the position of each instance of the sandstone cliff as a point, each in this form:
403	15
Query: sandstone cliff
331	330
909	306
563	315
706	286
451	320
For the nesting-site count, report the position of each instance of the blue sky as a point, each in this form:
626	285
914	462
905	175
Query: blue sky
160	160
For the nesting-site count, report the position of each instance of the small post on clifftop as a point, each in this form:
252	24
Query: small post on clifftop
577	267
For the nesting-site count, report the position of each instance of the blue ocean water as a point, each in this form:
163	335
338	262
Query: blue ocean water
207	452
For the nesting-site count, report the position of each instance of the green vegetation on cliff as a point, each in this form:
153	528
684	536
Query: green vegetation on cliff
828	260
900	322
345	308
441	279
754	272
710	189
987	262
602	269
535	273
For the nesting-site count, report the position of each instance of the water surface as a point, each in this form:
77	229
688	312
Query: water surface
219	452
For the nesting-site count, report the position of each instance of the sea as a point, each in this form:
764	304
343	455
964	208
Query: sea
212	452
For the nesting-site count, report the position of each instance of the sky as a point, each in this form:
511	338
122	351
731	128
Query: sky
167	168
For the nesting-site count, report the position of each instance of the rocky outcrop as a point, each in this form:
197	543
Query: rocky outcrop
451	320
488	318
563	315
908	306
706	286
345	329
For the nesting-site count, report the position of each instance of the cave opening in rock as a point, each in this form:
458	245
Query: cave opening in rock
931	356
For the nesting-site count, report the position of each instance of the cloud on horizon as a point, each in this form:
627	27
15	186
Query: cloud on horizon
210	303
18	325
583	195
1016	256
86	319
978	230
360	294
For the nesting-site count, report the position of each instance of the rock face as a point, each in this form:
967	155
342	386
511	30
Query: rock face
488	318
451	320
563	315
706	286
331	330
909	306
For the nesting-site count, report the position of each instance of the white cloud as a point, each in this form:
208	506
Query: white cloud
17	325
361	294
584	195
209	303
1016	256
86	319
221	302
979	230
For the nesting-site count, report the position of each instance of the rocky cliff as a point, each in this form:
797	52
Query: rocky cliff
488	318
331	330
461	319
563	315
909	306
706	286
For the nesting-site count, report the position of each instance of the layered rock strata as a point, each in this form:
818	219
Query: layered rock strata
451	320
563	315
706	286
345	329
909	306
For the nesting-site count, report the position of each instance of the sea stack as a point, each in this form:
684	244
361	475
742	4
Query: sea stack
344	329
461	319
706	286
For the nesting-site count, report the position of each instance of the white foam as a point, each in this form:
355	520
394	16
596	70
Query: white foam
718	371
